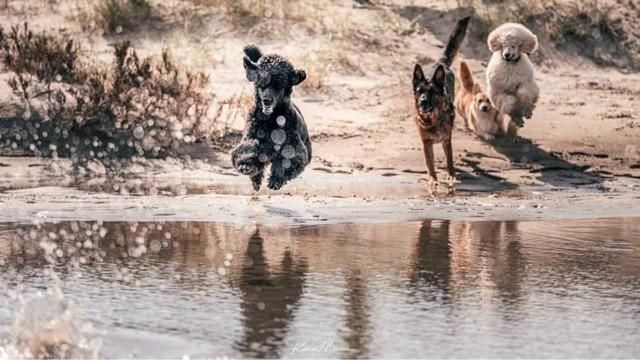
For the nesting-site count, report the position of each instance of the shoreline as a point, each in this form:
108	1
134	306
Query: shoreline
39	190
53	204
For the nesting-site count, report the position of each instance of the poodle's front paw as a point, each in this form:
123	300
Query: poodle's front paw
247	169
275	184
518	121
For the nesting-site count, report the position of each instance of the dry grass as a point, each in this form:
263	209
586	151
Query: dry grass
73	108
581	25
110	16
228	112
317	70
563	19
115	16
246	13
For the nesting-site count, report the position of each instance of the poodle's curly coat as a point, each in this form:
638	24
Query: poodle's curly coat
511	85
275	132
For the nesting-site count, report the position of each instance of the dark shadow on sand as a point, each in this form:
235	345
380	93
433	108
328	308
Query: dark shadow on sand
543	165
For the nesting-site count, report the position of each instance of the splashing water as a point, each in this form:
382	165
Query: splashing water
45	327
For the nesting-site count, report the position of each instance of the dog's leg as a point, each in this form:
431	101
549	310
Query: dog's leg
245	157
528	96
429	159
283	170
276	175
504	102
448	152
256	180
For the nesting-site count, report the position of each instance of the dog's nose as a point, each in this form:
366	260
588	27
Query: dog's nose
267	101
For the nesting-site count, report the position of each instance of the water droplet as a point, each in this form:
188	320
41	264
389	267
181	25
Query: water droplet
155	245
261	134
288	152
286	163
281	121
263	157
138	132
278	136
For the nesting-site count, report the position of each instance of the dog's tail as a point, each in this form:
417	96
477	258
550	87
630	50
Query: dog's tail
465	77
455	41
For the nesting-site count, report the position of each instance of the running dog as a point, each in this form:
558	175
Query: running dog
433	100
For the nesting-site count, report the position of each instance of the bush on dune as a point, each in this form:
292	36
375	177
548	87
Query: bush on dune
115	16
73	108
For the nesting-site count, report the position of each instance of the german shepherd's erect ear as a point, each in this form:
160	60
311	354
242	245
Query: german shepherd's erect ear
418	77
439	77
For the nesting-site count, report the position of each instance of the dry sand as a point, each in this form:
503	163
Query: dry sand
578	157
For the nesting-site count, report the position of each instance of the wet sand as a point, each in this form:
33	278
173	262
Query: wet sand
204	192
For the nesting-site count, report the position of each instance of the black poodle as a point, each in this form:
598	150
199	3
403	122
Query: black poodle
275	132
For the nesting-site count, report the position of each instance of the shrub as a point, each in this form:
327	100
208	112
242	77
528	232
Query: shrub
115	16
135	107
589	26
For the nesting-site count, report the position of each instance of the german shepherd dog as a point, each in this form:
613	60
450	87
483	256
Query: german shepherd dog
433	99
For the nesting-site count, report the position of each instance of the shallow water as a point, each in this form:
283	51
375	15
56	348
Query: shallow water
420	289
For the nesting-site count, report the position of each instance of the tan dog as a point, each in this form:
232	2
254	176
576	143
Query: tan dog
474	106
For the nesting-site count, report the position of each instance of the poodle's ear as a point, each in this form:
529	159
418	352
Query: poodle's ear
529	43
297	76
494	41
251	57
251	69
252	52
418	76
439	76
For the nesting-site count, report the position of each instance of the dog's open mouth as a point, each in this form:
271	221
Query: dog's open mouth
267	109
512	61
426	111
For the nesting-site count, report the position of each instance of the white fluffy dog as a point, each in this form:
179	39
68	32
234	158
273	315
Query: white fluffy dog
511	85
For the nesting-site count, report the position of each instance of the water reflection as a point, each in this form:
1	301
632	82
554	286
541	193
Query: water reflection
209	289
430	271
269	298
